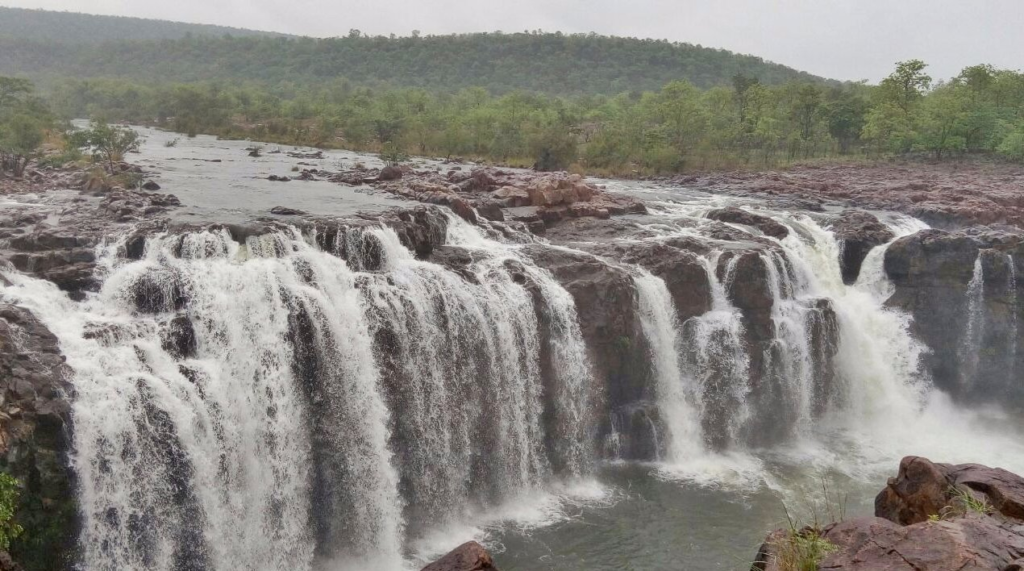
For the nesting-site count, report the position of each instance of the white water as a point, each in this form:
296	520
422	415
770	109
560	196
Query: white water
344	419
970	347
285	439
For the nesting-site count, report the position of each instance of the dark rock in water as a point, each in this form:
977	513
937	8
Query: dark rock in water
470	556
275	178
932	272
490	210
858	233
389	172
285	211
463	209
735	215
179	339
35	417
922	522
150	185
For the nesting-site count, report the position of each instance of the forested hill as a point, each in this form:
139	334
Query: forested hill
74	28
538	62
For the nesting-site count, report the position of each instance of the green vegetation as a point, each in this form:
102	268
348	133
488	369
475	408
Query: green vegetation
677	128
802	550
108	143
64	45
72	28
23	121
9	494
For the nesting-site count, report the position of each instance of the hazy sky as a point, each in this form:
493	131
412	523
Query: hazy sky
843	39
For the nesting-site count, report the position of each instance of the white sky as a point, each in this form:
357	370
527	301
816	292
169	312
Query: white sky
842	39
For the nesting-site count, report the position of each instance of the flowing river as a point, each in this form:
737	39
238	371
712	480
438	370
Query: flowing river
373	410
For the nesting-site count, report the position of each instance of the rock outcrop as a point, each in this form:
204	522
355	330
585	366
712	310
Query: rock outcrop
35	435
971	331
858	232
470	556
938	517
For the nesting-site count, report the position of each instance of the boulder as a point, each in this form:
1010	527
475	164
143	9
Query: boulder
513	196
285	211
150	185
734	215
858	232
920	490
470	556
390	172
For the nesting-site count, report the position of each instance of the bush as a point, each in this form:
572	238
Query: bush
9	493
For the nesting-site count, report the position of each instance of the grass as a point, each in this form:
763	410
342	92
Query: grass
961	503
804	548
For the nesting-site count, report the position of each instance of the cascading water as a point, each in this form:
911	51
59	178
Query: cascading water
262	405
970	346
1011	338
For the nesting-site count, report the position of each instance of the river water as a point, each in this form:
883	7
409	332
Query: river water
320	422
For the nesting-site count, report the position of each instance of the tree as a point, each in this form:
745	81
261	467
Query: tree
907	85
20	138
108	142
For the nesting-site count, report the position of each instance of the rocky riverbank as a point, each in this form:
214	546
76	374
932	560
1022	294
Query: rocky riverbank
946	195
931	516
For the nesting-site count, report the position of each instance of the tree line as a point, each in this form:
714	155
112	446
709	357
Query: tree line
674	129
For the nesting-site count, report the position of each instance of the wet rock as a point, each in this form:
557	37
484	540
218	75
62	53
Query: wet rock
150	185
490	210
285	211
734	215
35	416
389	173
470	556
858	233
179	338
275	178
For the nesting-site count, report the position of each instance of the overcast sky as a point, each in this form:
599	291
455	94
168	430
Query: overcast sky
842	39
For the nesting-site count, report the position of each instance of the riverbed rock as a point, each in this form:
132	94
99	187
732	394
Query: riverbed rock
858	232
470	556
736	215
919	524
285	211
150	185
389	173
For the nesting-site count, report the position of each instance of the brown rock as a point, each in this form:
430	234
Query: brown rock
513	196
919	490
390	172
470	556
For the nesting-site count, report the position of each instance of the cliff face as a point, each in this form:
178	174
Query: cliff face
961	289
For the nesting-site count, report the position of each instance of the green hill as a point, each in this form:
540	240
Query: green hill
74	28
75	45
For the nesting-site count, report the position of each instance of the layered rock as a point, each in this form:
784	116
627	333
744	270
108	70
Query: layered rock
939	517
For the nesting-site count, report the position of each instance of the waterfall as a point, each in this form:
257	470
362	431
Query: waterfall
264	405
675	406
1011	338
970	345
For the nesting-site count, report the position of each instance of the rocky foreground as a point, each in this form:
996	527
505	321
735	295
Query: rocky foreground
930	517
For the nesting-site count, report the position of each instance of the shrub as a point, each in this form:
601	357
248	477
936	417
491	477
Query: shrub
9	493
